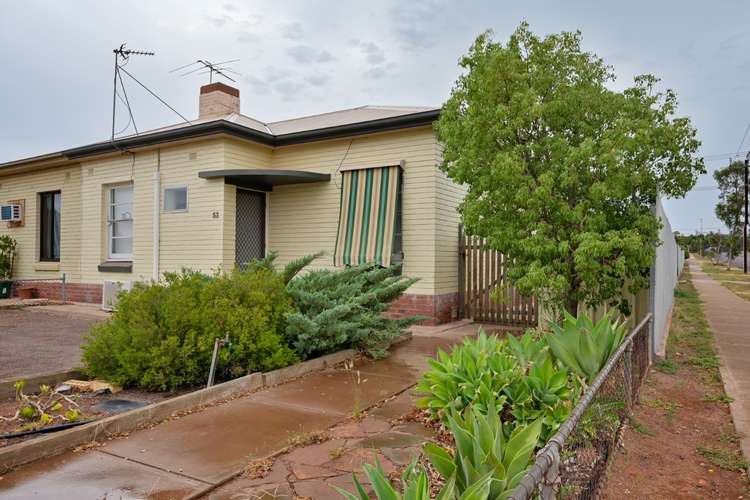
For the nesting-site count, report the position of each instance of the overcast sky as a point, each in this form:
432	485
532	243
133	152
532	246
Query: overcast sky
303	57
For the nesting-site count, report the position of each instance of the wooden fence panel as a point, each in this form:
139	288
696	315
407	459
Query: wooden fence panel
484	293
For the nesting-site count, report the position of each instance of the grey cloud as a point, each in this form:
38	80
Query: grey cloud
289	89
305	54
318	80
230	7
248	37
415	23
257	85
292	31
219	21
731	42
372	51
745	68
379	72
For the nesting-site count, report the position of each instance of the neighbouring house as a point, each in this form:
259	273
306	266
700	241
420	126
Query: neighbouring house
361	184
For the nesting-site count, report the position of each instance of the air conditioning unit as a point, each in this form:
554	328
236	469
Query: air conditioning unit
10	213
110	292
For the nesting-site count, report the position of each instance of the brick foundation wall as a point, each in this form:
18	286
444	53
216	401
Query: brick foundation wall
439	308
74	292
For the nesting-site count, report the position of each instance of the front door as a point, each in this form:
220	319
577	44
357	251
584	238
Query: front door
250	227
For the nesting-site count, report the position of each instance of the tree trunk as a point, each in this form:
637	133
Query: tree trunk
572	307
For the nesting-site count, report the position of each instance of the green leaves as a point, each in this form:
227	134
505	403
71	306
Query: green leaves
562	171
484	465
8	248
337	309
162	335
583	346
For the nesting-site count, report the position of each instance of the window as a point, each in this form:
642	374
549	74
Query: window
49	226
120	222
175	199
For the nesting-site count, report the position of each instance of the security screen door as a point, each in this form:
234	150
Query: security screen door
250	227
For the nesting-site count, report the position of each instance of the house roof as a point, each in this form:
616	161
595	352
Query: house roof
347	122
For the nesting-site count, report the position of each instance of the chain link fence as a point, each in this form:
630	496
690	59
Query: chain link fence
573	464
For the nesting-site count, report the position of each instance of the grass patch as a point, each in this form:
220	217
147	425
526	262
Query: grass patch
718	398
723	457
667	366
640	428
731	278
670	409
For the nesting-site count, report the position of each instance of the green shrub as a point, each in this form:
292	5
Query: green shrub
162	334
343	308
584	346
8	247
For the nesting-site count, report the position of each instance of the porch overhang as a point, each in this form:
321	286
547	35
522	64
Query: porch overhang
264	179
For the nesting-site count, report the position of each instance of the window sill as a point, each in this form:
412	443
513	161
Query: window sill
47	266
115	267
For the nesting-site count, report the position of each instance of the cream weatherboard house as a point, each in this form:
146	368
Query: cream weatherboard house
361	184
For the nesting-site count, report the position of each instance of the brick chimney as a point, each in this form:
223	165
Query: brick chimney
217	100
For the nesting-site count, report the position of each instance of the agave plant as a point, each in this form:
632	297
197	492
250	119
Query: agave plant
547	393
415	484
484	465
584	346
483	451
475	372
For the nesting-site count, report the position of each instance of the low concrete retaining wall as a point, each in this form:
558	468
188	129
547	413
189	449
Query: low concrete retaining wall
52	444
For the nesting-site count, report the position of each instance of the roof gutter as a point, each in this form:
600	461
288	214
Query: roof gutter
233	129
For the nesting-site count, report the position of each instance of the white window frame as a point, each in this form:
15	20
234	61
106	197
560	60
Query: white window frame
164	199
110	224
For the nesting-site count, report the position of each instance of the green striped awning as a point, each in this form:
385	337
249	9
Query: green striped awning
367	216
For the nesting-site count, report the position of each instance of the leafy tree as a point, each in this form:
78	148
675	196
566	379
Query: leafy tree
562	170
730	209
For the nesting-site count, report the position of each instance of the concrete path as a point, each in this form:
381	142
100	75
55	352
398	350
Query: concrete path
729	318
190	453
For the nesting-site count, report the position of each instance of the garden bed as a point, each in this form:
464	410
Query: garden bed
89	404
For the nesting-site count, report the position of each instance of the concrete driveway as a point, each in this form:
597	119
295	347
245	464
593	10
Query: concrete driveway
44	339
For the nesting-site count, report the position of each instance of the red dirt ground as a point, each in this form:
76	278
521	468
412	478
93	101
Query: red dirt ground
659	455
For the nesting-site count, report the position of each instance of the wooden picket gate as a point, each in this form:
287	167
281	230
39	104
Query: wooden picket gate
484	294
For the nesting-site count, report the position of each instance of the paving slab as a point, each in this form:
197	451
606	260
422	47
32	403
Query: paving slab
212	443
340	392
93	475
729	318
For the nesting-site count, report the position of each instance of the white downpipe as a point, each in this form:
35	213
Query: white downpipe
157	213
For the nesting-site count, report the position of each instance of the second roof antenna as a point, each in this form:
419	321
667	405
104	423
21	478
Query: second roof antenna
204	66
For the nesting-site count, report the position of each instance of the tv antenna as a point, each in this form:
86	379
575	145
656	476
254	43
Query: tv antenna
123	54
204	66
122	58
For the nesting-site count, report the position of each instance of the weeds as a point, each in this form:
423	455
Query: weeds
670	409
307	438
718	398
667	366
639	427
723	457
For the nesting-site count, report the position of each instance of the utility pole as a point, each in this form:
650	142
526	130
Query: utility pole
744	227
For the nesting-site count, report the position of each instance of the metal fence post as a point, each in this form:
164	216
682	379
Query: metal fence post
547	489
64	295
628	367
